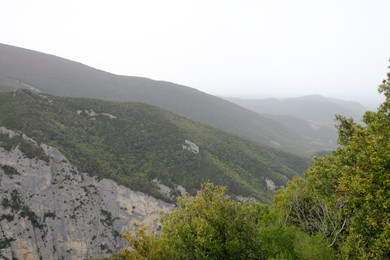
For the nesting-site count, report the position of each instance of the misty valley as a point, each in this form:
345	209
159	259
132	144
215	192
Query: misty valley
95	165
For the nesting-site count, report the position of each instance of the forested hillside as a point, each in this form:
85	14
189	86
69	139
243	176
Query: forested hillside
21	68
340	210
134	144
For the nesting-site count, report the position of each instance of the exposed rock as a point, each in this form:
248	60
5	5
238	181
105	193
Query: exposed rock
94	114
181	190
245	199
163	189
190	146
168	192
270	184
51	211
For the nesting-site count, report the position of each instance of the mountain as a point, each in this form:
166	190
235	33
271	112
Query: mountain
21	68
75	173
313	108
310	117
136	144
50	210
318	135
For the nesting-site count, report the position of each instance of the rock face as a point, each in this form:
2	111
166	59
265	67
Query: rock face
190	146
51	211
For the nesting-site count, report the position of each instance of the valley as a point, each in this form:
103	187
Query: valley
97	167
21	68
86	156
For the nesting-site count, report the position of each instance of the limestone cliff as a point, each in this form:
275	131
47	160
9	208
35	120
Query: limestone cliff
49	210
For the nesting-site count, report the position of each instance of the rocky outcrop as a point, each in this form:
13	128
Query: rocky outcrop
190	146
169	193
49	210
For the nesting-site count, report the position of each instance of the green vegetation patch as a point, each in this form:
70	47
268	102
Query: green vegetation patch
212	225
6	242
15	203
49	214
141	143
30	149
9	170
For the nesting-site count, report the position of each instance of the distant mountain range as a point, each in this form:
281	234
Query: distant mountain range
75	173
83	153
21	68
314	108
310	116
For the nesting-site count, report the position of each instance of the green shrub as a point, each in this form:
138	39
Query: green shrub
9	171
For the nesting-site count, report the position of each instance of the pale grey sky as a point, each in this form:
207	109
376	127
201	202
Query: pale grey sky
247	48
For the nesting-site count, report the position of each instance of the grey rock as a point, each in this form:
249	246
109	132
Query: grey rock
49	210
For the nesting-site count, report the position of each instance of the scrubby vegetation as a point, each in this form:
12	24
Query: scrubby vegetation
60	77
134	143
29	149
9	170
340	210
17	206
212	225
345	196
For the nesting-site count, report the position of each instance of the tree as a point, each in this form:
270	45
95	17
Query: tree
212	225
346	195
364	180
311	203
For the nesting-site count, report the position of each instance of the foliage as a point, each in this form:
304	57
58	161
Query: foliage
311	203
365	180
143	143
212	225
209	226
60	77
49	214
15	203
30	149
6	242
9	170
345	196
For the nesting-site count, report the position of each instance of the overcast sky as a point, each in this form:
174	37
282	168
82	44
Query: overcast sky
247	48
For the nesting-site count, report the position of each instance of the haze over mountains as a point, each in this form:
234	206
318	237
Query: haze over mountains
133	143
313	108
72	171
312	116
50	74
114	149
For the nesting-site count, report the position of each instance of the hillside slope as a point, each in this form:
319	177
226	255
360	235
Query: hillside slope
134	144
49	74
314	108
49	210
319	135
310	117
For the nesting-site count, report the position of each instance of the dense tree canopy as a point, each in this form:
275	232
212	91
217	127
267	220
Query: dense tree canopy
346	195
133	144
212	225
341	209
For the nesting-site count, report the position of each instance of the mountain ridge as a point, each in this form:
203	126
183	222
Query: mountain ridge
57	76
50	210
133	143
311	116
316	108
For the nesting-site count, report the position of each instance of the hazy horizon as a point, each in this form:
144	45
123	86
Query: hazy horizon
248	49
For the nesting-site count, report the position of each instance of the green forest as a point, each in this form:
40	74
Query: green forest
134	143
340	209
